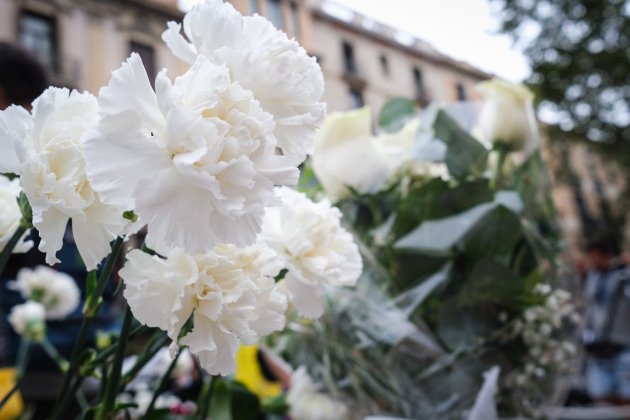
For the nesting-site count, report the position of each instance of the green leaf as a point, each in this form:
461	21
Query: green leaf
464	155
439	237
26	210
495	234
276	405
396	113
130	215
245	405
221	402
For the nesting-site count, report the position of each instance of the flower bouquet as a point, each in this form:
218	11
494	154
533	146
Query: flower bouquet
201	166
452	213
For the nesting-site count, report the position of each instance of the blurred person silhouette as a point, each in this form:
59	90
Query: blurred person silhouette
606	333
22	80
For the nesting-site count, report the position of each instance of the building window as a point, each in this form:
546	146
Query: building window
461	92
356	98
274	13
419	85
348	58
384	65
253	6
295	19
147	54
38	35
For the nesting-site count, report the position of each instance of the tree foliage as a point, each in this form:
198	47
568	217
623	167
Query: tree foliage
579	51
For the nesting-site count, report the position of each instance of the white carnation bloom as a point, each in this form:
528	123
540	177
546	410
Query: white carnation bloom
57	291
10	214
195	159
288	83
314	247
27	319
230	292
45	149
309	404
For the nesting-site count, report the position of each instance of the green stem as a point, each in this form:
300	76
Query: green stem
162	386
92	304
61	362
498	176
106	411
8	249
102	356
157	342
22	360
8	395
203	402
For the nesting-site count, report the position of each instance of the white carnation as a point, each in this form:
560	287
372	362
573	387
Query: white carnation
45	149
10	214
27	319
230	293
288	83
57	291
195	159
306	403
314	247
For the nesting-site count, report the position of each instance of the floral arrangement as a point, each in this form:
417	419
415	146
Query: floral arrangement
453	218
203	164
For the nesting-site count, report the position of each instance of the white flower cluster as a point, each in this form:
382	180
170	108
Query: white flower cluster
346	141
45	149
28	320
49	294
307	403
314	248
197	161
540	329
10	214
57	291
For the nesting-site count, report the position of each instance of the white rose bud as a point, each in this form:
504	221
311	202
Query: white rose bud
27	319
507	117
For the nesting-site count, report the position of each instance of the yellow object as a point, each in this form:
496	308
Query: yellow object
13	408
249	373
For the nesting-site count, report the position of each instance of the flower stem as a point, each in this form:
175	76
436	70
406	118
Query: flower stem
8	249
203	402
91	307
22	360
106	410
162	385
61	362
498	176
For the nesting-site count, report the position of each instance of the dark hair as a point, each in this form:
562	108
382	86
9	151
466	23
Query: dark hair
605	242
22	77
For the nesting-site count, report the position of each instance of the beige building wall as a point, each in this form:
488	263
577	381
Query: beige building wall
92	37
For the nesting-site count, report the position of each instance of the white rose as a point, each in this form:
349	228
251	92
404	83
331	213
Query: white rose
507	117
345	155
57	291
283	78
228	292
309	404
195	159
27	319
10	214
45	149
314	248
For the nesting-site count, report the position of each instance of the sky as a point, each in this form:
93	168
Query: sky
463	29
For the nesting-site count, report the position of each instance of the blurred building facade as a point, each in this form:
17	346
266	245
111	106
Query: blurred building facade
82	41
364	63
